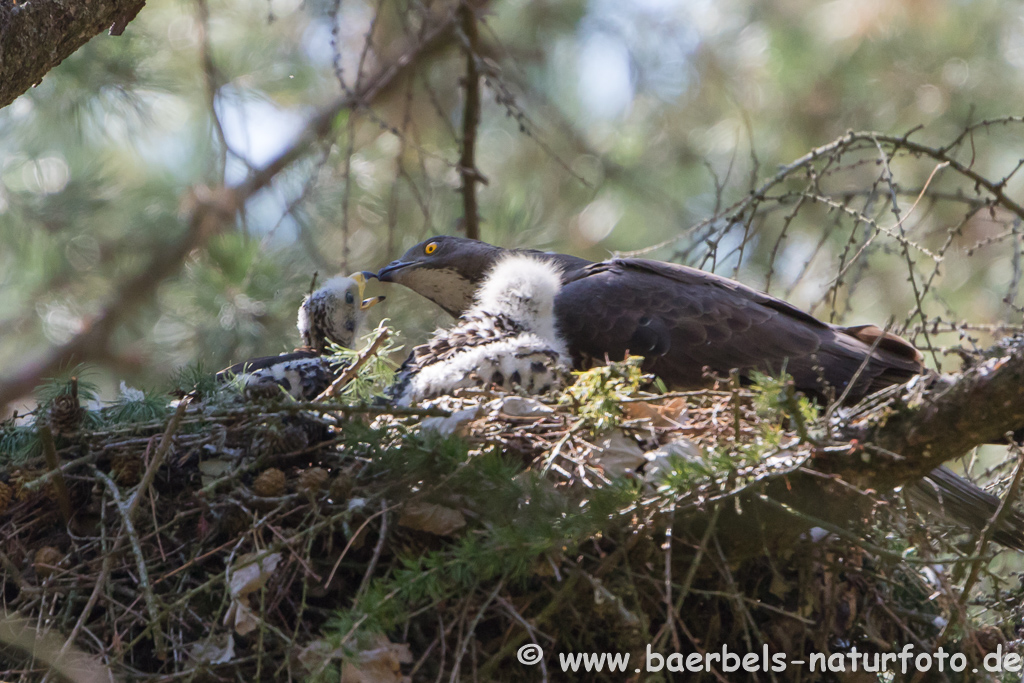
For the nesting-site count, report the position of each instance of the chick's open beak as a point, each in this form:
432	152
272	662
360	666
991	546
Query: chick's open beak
371	302
360	279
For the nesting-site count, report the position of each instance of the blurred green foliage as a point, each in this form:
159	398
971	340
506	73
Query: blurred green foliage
606	125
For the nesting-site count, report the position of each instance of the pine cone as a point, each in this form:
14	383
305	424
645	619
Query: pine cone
126	468
269	484
47	561
341	487
293	438
17	480
6	494
66	414
267	440
312	479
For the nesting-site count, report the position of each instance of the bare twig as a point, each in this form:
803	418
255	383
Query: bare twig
158	457
843	144
471	630
382	537
59	487
673	615
211	80
911	271
514	641
97	589
337	563
670	617
125	509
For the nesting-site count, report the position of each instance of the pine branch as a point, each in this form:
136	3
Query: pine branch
349	373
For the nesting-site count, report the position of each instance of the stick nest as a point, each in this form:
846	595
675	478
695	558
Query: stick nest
274	540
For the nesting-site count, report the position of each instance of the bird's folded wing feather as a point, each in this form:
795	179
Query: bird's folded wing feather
683	319
470	332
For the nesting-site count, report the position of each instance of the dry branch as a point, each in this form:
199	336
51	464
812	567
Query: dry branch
852	141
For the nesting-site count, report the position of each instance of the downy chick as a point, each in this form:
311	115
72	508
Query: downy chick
333	313
507	339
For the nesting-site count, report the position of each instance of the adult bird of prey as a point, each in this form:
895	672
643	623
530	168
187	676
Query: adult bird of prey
685	322
506	339
680	319
333	313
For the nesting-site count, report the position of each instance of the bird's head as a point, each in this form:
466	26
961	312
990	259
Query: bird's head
444	269
522	288
335	311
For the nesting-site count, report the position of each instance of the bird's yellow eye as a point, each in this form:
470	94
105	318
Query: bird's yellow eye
430	248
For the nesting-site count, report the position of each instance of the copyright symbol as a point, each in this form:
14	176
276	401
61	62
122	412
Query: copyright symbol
529	654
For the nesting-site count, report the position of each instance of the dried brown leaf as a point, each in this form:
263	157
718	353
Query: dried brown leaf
436	519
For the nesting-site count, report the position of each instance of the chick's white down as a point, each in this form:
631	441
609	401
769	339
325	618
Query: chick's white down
507	339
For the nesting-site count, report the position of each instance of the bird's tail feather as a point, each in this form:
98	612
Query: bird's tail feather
961	502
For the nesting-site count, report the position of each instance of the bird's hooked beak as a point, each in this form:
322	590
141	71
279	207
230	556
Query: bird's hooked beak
360	278
387	271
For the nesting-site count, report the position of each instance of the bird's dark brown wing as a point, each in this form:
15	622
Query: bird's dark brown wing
683	320
565	262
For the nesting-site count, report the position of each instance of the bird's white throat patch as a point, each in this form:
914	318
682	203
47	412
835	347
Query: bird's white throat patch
444	286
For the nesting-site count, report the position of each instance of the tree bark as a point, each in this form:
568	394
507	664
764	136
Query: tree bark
935	419
897	438
37	35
